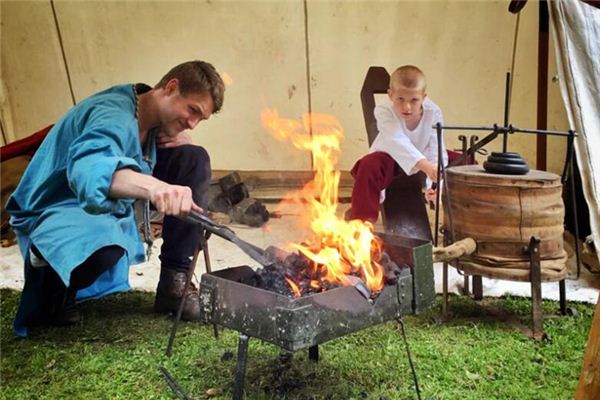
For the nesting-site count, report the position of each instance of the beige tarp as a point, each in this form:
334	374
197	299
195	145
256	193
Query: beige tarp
577	37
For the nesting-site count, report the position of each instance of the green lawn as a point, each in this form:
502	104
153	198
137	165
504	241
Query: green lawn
115	353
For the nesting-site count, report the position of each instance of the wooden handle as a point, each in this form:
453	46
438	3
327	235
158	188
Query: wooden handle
458	249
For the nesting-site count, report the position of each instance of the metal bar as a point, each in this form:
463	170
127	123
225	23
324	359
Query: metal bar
466	290
574	202
313	353
240	372
204	244
175	387
188	279
448	233
477	287
255	252
562	296
412	367
536	289
502	129
445	290
506	112
542	85
472	141
438	128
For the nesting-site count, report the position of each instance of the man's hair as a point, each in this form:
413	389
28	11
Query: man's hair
408	76
197	77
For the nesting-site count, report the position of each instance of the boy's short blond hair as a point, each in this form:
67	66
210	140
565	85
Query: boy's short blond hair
409	77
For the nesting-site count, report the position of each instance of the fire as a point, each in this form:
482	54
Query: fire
294	287
340	248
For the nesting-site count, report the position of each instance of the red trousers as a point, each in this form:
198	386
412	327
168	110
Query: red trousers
372	174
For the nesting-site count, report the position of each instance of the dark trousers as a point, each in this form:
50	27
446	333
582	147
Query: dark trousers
186	166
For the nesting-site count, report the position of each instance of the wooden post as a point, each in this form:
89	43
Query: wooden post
589	380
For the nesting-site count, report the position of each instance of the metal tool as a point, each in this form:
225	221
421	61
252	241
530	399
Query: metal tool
255	252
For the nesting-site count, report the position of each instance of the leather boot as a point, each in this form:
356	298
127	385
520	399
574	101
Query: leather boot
62	311
169	291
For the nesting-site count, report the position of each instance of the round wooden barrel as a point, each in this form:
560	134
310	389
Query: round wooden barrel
502	213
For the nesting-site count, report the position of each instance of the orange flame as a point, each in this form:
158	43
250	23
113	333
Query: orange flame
343	247
294	287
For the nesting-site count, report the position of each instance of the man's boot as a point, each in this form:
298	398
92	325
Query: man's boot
65	313
170	290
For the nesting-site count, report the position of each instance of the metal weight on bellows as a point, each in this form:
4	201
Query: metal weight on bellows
508	163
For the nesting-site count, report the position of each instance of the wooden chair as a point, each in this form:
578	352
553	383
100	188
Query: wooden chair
403	211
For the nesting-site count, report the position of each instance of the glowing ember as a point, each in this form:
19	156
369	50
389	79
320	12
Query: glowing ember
337	248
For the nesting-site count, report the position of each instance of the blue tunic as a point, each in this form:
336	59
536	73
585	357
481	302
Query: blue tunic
62	206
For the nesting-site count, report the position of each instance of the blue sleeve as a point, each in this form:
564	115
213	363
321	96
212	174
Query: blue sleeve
108	143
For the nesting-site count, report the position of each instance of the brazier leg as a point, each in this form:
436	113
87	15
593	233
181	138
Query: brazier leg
477	287
240	372
313	353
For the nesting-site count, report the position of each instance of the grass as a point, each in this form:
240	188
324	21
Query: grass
116	351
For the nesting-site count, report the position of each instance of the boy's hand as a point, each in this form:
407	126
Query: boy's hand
430	195
428	168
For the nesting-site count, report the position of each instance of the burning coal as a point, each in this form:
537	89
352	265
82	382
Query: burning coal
295	275
337	251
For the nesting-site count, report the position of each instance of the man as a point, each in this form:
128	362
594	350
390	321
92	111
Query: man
73	210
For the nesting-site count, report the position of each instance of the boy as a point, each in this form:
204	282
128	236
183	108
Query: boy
406	143
73	210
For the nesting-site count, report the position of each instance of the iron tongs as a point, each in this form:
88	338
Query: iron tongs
255	252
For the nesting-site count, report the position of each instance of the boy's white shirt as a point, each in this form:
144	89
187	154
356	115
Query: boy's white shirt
408	147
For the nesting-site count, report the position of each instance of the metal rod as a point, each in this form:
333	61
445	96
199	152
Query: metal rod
204	244
472	142
188	279
445	290
573	201
506	112
438	128
448	209
477	287
562	296
502	129
412	367
175	387
240	372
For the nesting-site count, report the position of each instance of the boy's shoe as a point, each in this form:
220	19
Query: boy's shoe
170	290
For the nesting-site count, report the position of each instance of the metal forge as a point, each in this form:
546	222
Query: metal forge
308	321
334	282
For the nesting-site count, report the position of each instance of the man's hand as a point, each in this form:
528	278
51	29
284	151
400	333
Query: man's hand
173	199
428	168
165	141
169	199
